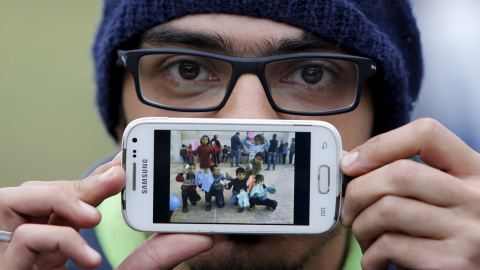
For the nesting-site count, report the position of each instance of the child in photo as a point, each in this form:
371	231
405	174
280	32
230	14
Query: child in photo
217	149
184	154
254	167
190	179
213	185
239	192
225	153
258	146
190	154
258	195
204	151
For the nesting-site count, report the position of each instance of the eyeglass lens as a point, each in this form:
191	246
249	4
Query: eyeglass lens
303	84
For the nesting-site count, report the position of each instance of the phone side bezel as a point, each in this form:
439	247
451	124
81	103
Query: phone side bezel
241	125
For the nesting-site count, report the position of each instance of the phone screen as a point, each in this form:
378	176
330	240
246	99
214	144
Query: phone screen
288	185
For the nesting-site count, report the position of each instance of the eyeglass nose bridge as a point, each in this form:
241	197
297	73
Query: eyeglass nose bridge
249	66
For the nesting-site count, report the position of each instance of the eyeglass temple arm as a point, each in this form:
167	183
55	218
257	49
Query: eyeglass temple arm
122	58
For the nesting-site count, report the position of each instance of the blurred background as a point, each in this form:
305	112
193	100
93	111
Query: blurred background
451	46
49	127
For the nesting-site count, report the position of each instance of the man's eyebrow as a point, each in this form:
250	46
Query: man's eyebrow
307	42
165	36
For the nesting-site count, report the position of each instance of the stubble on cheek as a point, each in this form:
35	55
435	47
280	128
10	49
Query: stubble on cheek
242	252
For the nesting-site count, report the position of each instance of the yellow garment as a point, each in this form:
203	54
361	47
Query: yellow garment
115	237
354	257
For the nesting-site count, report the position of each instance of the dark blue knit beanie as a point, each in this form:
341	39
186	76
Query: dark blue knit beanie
384	30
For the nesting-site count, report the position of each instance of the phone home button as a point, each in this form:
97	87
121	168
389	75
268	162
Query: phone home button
324	179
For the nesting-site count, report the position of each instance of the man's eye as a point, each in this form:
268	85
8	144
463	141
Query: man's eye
188	70
308	75
312	74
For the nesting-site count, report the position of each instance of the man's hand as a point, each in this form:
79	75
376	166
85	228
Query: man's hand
165	251
415	215
45	218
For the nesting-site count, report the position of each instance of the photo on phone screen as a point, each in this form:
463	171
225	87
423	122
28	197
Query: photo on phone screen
282	198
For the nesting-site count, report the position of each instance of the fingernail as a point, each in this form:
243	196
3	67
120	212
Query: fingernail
92	254
107	174
88	208
349	159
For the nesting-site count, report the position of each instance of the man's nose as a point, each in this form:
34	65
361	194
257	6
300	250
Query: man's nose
248	100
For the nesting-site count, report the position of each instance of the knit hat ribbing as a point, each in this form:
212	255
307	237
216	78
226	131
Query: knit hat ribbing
382	30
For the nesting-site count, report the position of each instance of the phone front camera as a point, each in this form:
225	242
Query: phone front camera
134	140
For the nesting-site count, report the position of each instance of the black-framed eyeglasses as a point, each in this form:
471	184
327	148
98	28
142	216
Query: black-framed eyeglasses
197	81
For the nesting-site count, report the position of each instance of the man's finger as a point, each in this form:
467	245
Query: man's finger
412	253
27	203
436	146
165	251
116	161
395	214
31	240
106	181
415	180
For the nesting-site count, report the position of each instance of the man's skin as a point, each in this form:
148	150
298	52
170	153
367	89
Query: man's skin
416	215
248	101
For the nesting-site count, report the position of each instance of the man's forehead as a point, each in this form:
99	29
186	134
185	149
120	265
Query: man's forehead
238	26
233	35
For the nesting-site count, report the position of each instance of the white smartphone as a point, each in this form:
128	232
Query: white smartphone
307	189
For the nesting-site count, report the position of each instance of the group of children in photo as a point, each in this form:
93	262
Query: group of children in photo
247	192
211	149
187	153
248	188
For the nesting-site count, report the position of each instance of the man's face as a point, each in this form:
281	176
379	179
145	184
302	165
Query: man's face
249	37
258	160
